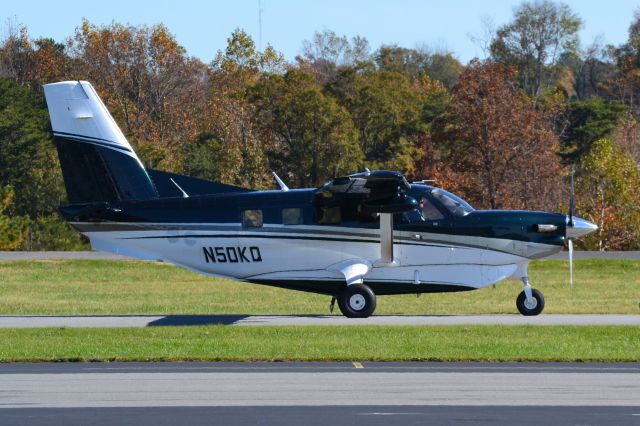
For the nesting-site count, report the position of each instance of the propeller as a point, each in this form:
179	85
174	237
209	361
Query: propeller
570	243
571	224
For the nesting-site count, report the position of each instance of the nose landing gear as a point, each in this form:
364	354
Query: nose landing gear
530	301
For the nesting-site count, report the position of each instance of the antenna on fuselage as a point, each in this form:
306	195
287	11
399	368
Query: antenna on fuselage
184	194
279	181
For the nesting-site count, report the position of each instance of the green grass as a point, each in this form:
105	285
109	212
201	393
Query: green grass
128	287
367	343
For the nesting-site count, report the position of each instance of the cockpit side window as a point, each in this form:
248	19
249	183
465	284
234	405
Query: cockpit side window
456	205
329	215
425	212
428	210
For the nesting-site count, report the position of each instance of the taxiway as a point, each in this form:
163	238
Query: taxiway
320	393
136	321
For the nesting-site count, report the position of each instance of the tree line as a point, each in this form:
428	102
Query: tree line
503	132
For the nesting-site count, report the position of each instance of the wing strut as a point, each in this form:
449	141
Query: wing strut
386	241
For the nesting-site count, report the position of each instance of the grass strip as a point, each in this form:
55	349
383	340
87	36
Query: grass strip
367	343
91	287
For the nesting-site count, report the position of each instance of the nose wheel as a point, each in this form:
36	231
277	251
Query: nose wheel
532	305
357	301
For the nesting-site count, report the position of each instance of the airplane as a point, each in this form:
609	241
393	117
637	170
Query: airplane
356	237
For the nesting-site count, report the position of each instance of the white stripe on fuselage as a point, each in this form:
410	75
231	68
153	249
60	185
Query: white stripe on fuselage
302	252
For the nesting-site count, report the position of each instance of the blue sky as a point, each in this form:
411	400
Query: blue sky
202	27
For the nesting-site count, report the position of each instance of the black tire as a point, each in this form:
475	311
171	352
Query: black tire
357	301
530	311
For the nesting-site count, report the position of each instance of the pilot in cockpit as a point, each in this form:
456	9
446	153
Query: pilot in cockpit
425	211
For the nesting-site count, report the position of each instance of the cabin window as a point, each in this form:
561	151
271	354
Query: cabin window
292	216
329	215
425	212
252	218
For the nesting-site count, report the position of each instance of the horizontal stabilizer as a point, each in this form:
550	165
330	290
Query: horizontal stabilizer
191	186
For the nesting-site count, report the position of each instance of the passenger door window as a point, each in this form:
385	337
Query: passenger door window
252	218
292	216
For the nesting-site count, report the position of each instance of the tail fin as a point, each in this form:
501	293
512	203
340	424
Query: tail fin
98	164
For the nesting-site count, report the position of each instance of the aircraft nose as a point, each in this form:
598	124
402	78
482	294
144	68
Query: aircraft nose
580	228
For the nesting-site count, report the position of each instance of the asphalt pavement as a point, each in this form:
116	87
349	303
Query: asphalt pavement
137	321
358	393
320	393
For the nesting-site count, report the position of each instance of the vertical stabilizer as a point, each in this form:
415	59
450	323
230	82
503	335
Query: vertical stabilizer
98	164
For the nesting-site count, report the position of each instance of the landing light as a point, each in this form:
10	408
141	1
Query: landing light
545	228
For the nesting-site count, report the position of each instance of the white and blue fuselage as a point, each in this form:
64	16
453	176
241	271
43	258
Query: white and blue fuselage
357	236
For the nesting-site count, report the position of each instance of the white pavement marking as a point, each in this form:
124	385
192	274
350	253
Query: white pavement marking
317	389
100	321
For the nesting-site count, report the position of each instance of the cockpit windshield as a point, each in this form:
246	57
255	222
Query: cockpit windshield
456	205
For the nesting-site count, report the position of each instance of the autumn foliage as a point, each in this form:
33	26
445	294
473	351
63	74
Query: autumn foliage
504	132
503	150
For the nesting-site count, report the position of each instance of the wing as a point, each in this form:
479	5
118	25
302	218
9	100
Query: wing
380	191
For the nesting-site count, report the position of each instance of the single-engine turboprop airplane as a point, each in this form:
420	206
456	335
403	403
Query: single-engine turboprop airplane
358	236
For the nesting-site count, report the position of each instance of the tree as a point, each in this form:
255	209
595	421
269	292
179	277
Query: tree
627	135
148	82
607	195
244	61
212	159
393	58
500	147
230	127
439	66
30	176
312	136
28	161
327	52
589	121
534	41
589	72
388	110
13	230
625	86
444	67
16	55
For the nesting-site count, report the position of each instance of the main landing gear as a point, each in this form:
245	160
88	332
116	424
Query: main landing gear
357	301
530	301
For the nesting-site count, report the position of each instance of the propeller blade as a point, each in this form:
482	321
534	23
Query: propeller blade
570	243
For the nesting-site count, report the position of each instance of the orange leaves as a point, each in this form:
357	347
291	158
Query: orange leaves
149	84
502	145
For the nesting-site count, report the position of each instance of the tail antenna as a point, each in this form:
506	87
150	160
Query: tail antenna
279	181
